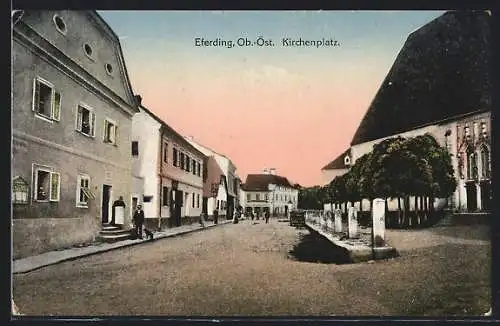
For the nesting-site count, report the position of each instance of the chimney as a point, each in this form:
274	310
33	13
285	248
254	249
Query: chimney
138	99
272	171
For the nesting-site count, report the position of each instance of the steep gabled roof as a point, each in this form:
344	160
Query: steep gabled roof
260	182
338	163
442	71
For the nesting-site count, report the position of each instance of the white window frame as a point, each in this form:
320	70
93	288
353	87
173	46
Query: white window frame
53	92
50	170
81	176
78	124
105	131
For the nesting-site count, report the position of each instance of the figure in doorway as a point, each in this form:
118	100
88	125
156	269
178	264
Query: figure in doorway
138	221
117	203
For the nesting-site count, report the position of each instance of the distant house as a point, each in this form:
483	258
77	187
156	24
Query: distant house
268	192
229	170
71	123
339	166
440	84
167	173
214	188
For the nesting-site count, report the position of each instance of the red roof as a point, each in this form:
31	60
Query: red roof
261	182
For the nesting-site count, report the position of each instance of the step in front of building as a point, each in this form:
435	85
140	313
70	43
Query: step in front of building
113	233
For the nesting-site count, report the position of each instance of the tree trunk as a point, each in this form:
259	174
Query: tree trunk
399	211
407	211
415	209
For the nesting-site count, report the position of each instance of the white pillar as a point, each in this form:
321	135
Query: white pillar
352	222
378	222
338	221
478	196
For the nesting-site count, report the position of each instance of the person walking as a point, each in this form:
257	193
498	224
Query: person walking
216	216
138	221
267	216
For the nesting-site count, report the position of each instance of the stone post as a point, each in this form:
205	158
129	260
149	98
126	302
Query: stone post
338	221
352	222
329	221
378	223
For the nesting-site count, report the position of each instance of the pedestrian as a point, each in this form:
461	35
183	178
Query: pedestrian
117	203
216	216
252	215
236	216
267	216
138	221
202	219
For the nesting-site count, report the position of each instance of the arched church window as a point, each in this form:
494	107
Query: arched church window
485	162
471	165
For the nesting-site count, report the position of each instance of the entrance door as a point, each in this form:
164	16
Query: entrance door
486	195
178	207
204	206
134	203
106	190
471	196
286	210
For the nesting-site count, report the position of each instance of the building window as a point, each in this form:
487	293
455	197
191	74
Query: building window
110	132
174	156
47	184
46	100
249	197
20	190
471	166
193	166
182	161
164	197
205	172
188	164
135	148
475	129
267	198
109	68
467	131
193	199
198	168
483	129
83	191
485	162
85	121
147	199
88	50
165	152
218	201
197	200
257	196
60	24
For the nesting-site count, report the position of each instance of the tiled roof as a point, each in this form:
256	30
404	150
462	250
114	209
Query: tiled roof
260	182
338	163
441	72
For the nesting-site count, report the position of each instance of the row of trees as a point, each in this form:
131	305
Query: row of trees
397	168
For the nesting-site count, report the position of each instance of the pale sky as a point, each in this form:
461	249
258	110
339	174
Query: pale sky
294	109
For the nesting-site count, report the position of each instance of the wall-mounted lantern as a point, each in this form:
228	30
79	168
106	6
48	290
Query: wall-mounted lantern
20	189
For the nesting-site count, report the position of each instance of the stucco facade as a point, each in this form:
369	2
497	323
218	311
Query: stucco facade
71	125
229	170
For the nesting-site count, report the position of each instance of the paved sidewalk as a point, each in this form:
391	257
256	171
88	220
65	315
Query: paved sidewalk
29	264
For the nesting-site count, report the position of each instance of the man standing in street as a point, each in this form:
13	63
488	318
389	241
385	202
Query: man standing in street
266	214
139	221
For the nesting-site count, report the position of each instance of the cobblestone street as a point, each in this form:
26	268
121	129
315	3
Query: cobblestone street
246	269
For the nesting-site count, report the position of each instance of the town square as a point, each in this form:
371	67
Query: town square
252	170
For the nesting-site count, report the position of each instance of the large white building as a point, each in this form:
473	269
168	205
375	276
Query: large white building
167	173
268	192
441	88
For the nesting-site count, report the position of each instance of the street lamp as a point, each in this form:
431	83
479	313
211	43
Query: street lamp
19	191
